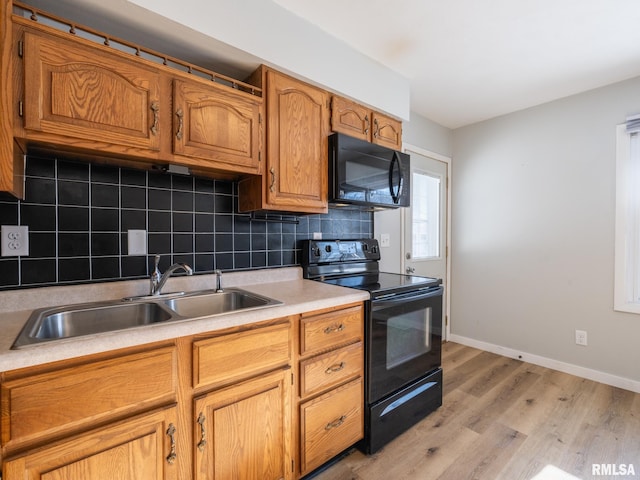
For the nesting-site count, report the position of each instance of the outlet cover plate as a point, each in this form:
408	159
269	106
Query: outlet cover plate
137	242
15	240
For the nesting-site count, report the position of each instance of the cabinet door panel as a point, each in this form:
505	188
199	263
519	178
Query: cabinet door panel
83	93
213	125
137	449
350	118
297	144
387	131
243	432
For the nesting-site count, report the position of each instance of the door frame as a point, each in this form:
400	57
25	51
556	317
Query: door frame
408	148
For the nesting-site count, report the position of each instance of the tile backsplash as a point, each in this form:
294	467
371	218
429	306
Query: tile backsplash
79	214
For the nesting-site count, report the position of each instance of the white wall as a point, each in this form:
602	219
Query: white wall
533	232
423	133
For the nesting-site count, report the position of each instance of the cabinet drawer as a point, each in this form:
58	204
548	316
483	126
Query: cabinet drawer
221	359
59	401
323	371
328	329
330	424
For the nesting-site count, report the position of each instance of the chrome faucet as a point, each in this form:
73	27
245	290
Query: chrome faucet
158	280
219	281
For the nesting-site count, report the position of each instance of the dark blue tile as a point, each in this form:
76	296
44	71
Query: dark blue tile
40	190
73	170
104	195
73	193
74	269
38	217
103	268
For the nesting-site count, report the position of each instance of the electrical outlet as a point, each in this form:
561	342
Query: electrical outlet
385	240
581	337
317	235
15	240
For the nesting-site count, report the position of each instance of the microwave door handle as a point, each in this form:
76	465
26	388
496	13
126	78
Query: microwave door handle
392	188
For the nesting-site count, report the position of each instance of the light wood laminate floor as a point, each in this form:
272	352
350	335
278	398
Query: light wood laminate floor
506	419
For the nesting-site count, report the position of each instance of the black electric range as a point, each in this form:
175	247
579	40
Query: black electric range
403	334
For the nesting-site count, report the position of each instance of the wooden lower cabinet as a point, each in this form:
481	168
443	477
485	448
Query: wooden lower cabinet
330	392
242	432
330	424
237	404
140	448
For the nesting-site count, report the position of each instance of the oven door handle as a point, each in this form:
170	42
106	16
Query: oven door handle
406	297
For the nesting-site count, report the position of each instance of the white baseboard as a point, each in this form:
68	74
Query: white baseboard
569	368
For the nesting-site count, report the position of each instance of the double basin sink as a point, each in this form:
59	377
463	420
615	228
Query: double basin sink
56	323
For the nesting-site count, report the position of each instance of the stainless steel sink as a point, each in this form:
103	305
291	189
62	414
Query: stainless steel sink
74	321
50	324
205	303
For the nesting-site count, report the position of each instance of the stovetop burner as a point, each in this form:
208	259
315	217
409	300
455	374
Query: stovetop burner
354	263
382	281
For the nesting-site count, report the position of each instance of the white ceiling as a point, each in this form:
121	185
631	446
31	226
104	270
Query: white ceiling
465	60
470	60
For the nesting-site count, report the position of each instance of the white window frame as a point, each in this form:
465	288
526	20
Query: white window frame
627	230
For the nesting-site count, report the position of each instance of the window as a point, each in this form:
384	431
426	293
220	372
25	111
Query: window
627	236
425	205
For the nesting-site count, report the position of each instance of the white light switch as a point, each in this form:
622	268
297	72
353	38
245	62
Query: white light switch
137	240
385	240
15	240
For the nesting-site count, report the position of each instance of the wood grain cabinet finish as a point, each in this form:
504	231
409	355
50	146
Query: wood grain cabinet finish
11	161
222	359
80	95
243	431
321	372
297	124
358	121
330	424
44	405
328	329
210	124
330	391
87	99
139	448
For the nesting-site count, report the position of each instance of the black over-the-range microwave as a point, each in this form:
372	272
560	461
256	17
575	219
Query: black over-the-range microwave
366	175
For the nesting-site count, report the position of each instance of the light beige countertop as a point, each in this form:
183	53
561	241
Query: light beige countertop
284	284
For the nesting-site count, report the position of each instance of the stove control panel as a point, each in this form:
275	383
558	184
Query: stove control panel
338	251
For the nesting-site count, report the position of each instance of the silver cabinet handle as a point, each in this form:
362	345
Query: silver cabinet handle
171	431
336	423
180	115
203	432
155	108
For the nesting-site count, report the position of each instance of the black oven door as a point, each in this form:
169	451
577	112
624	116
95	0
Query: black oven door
404	339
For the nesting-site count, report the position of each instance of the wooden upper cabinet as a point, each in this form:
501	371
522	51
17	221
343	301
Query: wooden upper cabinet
350	118
297	126
361	122
86	94
386	131
211	124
